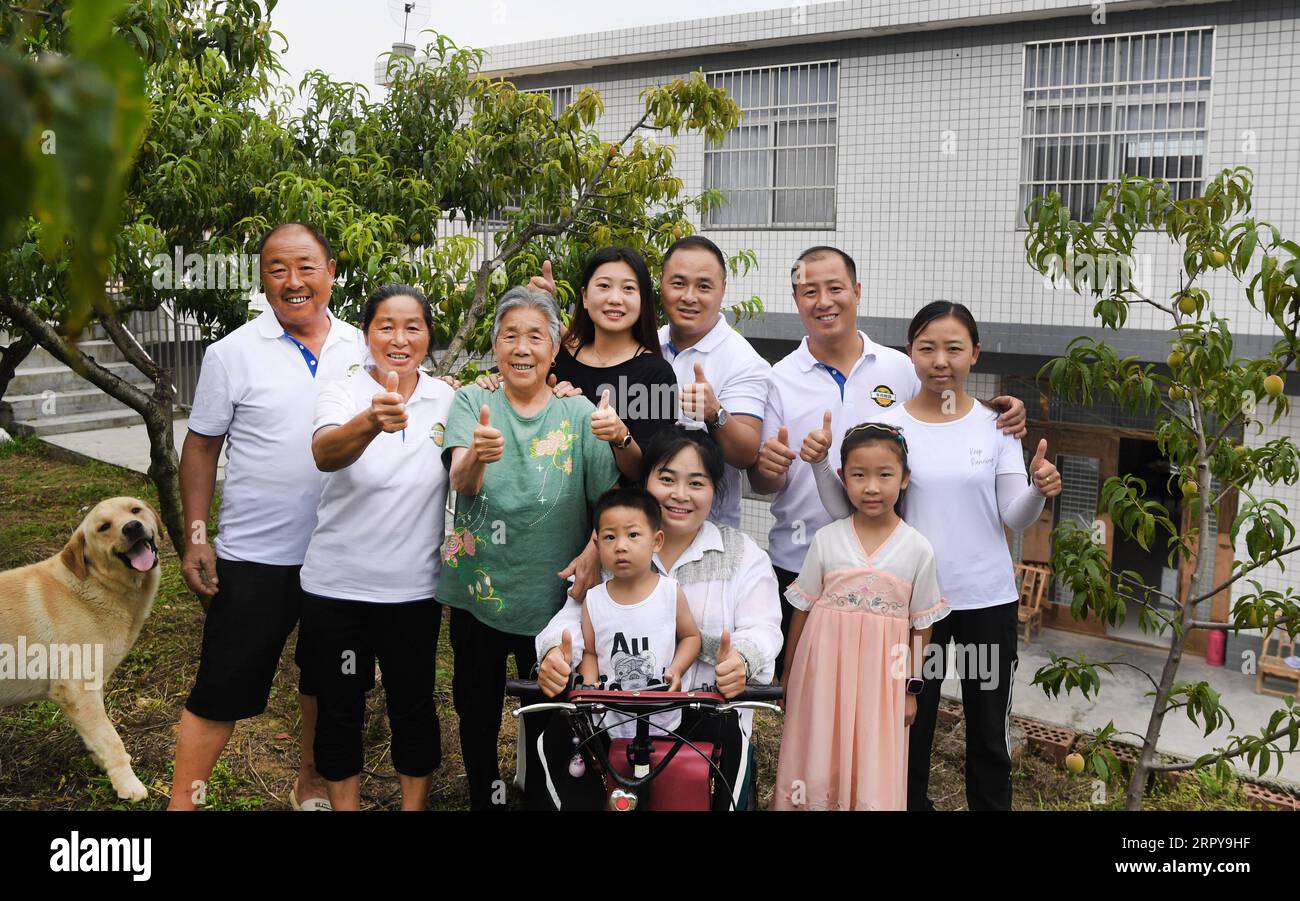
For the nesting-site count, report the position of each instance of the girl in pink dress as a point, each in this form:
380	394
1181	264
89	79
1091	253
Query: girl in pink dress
864	604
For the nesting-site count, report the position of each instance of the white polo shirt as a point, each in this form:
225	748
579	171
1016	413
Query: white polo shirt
258	388
739	377
801	392
379	523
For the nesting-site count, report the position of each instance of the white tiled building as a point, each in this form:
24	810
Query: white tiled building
911	133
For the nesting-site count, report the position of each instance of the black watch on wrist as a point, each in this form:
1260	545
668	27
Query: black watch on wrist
914	685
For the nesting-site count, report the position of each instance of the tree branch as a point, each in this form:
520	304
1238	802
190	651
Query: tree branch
1226	755
46	336
1279	555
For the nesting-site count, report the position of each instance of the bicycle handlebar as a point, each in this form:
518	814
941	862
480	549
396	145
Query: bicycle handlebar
519	688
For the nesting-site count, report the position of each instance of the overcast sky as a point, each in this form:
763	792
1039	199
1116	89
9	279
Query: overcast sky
344	37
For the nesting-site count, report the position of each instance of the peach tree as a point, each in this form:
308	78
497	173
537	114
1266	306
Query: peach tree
1203	398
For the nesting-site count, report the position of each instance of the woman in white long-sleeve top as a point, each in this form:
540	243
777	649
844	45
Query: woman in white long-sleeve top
967	483
732	591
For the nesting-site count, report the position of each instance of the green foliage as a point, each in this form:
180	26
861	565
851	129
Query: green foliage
1202	398
1069	673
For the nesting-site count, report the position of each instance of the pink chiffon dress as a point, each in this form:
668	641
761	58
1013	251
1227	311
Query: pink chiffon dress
844	741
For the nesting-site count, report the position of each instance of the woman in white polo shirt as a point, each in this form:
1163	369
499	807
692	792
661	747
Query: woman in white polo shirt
967	482
372	565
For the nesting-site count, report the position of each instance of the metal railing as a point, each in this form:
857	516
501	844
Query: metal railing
175	341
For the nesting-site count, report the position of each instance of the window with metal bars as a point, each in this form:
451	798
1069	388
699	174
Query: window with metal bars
777	168
1099	108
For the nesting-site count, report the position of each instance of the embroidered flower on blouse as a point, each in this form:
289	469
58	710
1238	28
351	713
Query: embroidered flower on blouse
555	445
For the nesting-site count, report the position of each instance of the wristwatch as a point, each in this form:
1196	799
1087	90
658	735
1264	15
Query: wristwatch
720	421
914	685
622	445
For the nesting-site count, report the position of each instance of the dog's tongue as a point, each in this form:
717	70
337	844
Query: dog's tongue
141	557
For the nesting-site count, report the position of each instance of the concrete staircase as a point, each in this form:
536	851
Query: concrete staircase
50	399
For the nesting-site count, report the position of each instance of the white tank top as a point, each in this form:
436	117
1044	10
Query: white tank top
634	645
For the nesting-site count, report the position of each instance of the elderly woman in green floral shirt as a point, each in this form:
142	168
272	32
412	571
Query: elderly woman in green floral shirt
527	468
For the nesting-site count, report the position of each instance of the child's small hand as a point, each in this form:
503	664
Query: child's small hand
909	711
674	680
817	443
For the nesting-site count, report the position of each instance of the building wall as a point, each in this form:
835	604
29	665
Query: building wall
924	224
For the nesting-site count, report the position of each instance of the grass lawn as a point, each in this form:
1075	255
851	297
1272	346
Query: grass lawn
43	764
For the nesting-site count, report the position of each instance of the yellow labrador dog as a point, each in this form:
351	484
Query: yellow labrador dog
67	622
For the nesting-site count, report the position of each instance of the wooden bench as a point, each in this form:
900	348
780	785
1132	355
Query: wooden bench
1276	648
1033	580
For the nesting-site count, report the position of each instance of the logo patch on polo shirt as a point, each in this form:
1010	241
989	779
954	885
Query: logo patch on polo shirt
438	433
354	369
883	395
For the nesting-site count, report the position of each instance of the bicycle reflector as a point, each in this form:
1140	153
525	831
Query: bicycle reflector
621	800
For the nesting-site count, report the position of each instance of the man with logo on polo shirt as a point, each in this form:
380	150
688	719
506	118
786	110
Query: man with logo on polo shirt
838	368
722	380
256	390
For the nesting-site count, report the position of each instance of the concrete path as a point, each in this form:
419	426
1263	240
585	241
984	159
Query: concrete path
127	446
1123	696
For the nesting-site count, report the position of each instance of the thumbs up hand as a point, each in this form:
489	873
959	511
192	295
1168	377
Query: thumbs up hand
605	423
775	456
553	674
817	443
729	671
1046	479
545	281
698	400
487	444
387	408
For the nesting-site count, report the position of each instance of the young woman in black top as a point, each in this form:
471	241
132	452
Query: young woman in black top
612	346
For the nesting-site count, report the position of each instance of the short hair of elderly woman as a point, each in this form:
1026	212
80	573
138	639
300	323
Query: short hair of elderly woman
523	297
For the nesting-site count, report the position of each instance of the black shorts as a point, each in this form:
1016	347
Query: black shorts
256	606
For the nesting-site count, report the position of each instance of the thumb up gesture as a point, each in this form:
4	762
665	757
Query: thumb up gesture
729	671
545	281
553	674
1046	479
387	409
487	444
775	456
605	423
817	443
698	400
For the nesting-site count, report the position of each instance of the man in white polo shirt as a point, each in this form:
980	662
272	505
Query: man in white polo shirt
837	368
722	379
256	390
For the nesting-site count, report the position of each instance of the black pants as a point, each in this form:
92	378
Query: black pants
551	786
244	631
478	688
988	635
784	578
350	636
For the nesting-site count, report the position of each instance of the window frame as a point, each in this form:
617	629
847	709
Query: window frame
772	149
1117	133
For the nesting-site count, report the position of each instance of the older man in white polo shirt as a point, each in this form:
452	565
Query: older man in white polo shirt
837	368
257	390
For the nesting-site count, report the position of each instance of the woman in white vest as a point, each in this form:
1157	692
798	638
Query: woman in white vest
731	588
372	566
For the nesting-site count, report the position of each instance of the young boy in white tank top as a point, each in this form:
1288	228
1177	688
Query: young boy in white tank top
637	628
